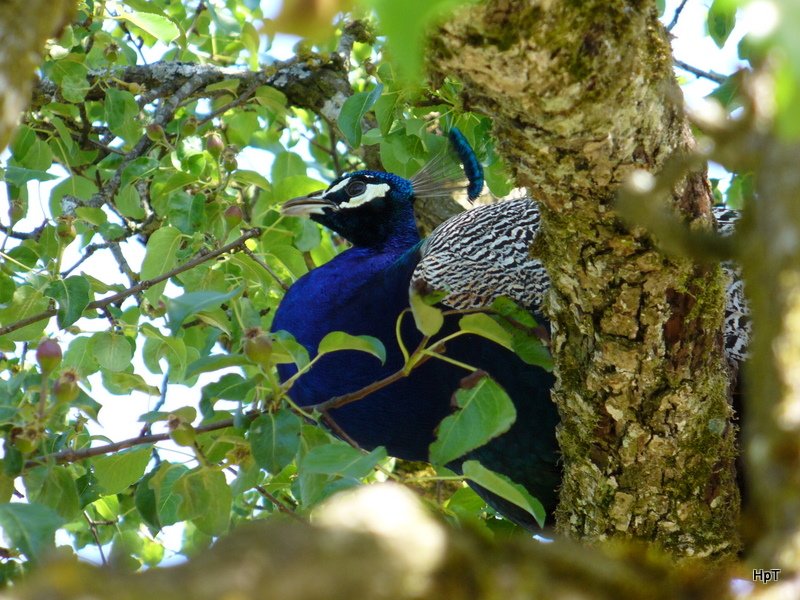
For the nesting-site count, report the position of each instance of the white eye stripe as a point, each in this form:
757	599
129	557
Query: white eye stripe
374	190
337	187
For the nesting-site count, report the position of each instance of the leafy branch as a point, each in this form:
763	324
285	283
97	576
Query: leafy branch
202	257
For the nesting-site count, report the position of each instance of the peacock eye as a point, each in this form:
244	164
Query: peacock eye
355	188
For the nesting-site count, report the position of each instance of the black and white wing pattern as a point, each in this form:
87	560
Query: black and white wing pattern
484	253
737	313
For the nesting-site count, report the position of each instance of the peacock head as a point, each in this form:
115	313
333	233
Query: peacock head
364	207
368	207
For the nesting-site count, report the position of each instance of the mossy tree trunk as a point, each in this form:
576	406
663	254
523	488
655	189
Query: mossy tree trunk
582	95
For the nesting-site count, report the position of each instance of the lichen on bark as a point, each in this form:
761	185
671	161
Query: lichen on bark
582	94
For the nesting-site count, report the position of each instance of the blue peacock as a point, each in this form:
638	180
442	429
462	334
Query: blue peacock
476	257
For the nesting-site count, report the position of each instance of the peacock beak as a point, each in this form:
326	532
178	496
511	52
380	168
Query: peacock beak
304	206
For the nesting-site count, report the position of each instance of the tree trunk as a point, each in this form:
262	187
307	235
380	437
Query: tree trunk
582	95
25	25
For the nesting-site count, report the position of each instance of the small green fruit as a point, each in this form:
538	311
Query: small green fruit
214	144
233	215
48	355
155	132
189	126
111	52
258	347
229	161
65	230
66	389
183	435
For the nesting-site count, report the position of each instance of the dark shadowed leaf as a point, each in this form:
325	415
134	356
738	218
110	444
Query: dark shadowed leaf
505	488
341	459
205	500
353	110
72	295
275	439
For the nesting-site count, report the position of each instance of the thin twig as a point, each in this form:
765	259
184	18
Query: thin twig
87	252
677	15
710	75
339	401
71	456
23	235
93	530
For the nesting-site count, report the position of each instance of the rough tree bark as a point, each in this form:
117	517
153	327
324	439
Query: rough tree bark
21	52
582	94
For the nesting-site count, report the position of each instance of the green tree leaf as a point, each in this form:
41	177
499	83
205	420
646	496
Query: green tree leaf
180	308
339	340
30	527
505	488
160	257
485	412
80	356
26	302
158	26
72	295
721	20
275	439
341	459
112	350
231	386
429	319
483	325
54	487
287	164
116	472
353	110
406	24
206	500
167	498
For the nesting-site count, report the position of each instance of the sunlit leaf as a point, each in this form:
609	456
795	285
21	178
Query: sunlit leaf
429	319
26	303
30	527
160	257
483	325
158	26
342	459
180	308
485	411
116	472
339	340
112	350
721	20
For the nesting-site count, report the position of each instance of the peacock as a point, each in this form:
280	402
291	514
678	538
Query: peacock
476	257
